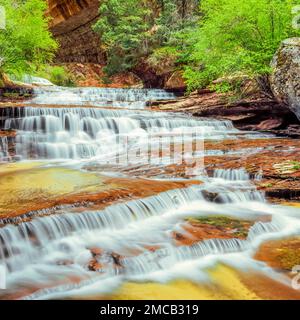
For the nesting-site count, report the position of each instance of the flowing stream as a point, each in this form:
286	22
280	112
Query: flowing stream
84	127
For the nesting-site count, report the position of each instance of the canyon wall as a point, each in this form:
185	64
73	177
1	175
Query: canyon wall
71	22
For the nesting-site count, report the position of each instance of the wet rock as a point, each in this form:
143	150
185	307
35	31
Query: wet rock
287	194
292	131
94	265
273	164
285	79
96	252
117	259
114	190
257	108
213	227
210	196
104	259
16	93
8	133
280	254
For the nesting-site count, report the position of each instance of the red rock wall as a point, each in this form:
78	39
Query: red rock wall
71	25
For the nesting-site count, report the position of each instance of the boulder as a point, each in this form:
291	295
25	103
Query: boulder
285	77
176	82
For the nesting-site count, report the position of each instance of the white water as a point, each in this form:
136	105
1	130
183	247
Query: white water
32	80
78	131
4	154
85	133
99	97
34	252
47	251
232	175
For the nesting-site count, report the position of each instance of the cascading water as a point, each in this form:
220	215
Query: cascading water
232	175
99	97
32	80
4	154
47	250
77	133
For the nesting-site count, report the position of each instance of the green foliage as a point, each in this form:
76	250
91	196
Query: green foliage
26	44
296	165
163	59
124	30
222	87
237	36
239	227
132	30
60	76
224	37
175	17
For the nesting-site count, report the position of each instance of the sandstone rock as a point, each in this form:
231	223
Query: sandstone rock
96	252
71	24
250	88
149	76
92	75
247	86
176	82
129	80
285	79
94	265
270	124
280	254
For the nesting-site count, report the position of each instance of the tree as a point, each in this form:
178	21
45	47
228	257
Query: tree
135	29
26	44
124	30
236	37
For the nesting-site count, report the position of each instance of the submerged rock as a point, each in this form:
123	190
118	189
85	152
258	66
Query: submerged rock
285	79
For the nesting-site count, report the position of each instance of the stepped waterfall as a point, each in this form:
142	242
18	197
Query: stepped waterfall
137	239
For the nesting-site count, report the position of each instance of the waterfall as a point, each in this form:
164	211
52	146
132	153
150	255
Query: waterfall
171	262
241	196
232	174
24	238
32	80
84	133
99	97
51	240
139	239
4	154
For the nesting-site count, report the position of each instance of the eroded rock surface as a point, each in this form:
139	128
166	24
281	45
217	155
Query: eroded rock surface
256	112
285	80
72	26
